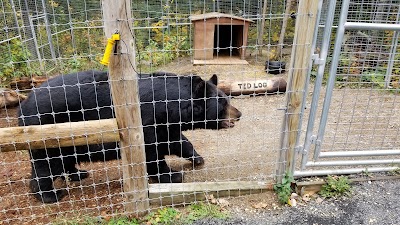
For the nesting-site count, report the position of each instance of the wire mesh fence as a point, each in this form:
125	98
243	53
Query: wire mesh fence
198	132
360	121
42	39
365	71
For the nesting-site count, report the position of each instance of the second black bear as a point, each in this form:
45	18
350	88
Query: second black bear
169	105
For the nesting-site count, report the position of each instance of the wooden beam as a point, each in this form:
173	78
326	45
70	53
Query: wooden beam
301	58
168	194
125	95
58	135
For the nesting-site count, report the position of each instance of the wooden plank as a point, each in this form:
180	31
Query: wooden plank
58	135
221	60
305	25
203	40
125	95
168	194
225	21
212	15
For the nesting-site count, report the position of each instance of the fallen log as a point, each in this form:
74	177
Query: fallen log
273	85
10	98
21	83
24	83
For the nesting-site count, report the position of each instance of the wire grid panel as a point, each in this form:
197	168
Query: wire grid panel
164	42
363	113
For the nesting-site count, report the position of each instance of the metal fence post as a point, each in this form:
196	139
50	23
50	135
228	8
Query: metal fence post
332	75
318	82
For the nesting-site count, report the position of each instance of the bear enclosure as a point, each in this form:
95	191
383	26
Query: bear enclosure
340	113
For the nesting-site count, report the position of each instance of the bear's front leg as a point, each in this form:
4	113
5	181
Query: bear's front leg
158	169
182	147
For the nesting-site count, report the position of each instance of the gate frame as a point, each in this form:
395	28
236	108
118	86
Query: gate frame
317	139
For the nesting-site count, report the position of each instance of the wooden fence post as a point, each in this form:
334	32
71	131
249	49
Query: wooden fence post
125	95
301	55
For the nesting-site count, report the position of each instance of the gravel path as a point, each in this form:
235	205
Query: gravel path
374	202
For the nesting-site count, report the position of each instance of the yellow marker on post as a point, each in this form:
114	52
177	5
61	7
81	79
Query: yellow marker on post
110	44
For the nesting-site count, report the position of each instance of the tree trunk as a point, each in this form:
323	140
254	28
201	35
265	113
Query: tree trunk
261	30
283	30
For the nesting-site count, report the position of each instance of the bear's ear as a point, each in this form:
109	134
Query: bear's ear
200	89
214	79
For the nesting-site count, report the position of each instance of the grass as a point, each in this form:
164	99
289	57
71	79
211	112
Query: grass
335	187
202	210
165	215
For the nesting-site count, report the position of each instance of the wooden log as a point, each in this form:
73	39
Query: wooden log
36	81
125	96
21	83
261	86
10	98
58	135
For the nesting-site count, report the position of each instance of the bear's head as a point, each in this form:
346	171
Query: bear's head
211	106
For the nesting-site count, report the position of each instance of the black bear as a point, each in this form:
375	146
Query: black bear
169	105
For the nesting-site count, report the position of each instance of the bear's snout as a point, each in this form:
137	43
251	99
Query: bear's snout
232	115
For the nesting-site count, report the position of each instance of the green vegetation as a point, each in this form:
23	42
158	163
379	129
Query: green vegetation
395	172
166	44
284	189
203	210
13	63
165	215
335	187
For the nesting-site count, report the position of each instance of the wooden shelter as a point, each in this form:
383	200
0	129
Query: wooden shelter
220	38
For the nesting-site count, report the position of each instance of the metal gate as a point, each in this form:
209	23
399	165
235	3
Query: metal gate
364	154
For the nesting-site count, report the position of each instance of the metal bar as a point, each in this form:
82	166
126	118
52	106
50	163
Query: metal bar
371	26
48	32
353	162
16	21
393	49
332	76
359	153
318	81
391	58
138	28
342	171
16	37
322	25
39	57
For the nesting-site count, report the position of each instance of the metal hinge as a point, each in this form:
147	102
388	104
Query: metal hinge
317	59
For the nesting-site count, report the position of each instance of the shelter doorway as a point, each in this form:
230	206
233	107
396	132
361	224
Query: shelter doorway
228	39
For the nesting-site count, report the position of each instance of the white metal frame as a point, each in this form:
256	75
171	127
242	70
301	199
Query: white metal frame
316	140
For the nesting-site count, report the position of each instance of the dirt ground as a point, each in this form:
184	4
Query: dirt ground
359	119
